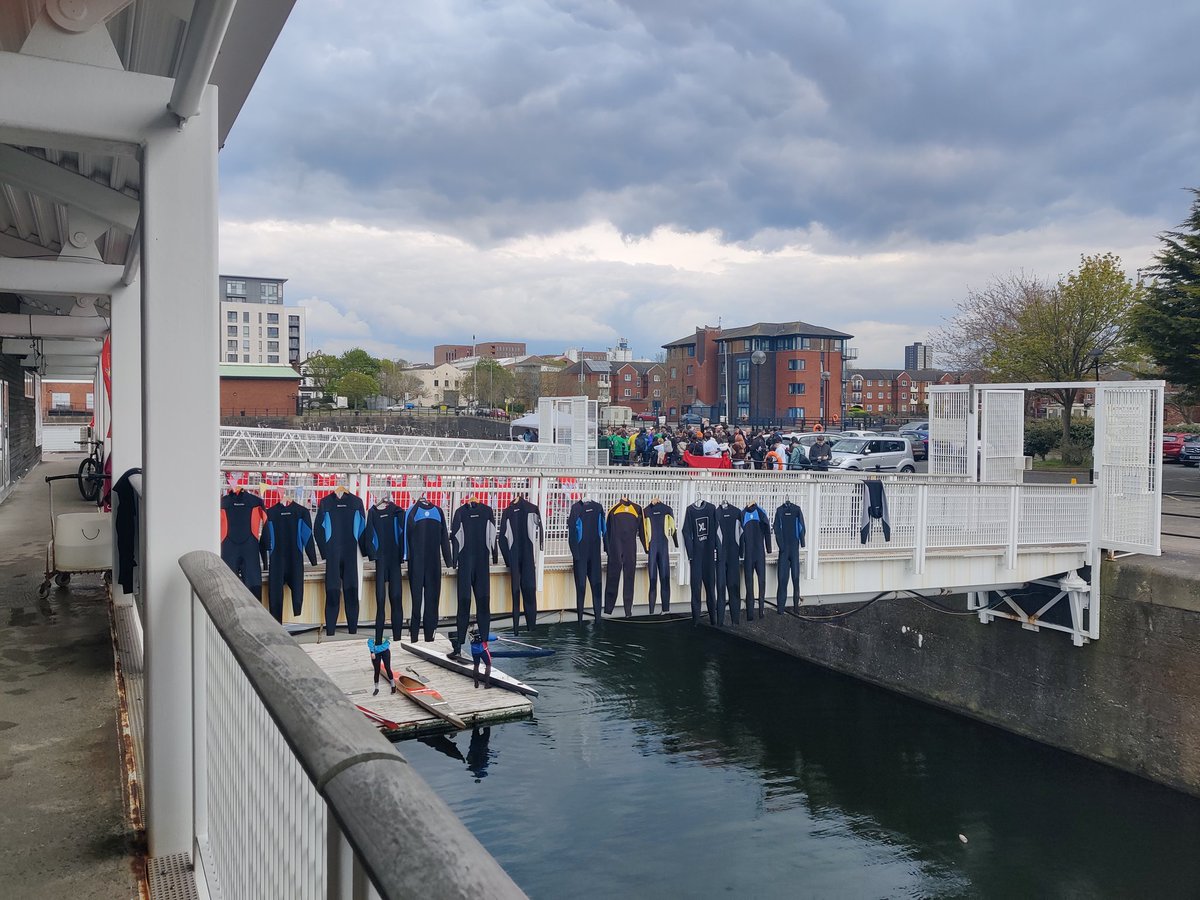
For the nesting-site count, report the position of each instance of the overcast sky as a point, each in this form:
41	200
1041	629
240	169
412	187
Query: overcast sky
569	172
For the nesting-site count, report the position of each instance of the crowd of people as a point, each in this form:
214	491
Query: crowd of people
746	448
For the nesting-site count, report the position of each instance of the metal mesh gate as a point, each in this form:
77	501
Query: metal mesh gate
951	432
1002	438
1129	467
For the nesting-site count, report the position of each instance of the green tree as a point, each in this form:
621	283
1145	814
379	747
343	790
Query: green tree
357	387
324	370
397	383
1023	329
1168	317
359	360
490	383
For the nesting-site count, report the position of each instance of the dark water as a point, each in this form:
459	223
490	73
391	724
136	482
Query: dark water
667	762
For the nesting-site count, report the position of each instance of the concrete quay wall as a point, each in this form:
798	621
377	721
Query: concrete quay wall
1130	699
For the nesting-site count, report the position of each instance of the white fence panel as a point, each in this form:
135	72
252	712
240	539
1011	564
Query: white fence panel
1129	466
952	432
1002	427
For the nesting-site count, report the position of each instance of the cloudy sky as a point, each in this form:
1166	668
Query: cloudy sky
573	171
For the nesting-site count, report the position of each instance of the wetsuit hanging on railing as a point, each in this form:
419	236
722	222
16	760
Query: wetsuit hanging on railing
756	544
383	542
585	537
789	536
700	544
289	538
473	542
427	545
659	534
340	523
729	551
520	537
243	523
623	531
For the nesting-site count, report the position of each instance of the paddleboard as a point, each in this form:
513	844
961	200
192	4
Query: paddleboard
465	667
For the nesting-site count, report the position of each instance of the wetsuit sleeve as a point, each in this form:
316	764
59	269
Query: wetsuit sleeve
607	527
801	528
504	539
573	529
306	535
321	529
642	528
491	534
368	543
446	555
408	520
687	532
766	526
672	530
539	532
457	535
775	523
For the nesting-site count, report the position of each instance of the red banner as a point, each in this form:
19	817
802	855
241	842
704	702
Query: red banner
106	371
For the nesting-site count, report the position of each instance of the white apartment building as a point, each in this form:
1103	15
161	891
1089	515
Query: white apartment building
256	327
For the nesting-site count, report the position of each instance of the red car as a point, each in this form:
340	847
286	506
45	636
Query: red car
1172	444
645	417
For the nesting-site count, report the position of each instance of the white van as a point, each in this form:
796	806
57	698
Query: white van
871	454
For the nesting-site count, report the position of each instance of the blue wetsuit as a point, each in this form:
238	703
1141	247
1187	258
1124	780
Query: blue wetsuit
382	542
340	523
289	538
426	538
756	544
585	536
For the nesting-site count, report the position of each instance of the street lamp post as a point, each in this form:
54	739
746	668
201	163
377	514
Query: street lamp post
758	357
825	375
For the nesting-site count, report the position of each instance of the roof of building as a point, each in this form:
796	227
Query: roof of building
682	342
590	367
244	370
779	329
270	278
888	374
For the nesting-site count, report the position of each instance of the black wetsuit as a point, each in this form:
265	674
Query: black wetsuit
383	542
243	522
700	543
874	506
585	537
426	546
729	552
340	523
756	544
659	528
473	540
289	539
623	530
789	535
520	531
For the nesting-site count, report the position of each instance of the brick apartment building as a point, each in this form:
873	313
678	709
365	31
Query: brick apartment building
444	353
901	392
769	371
68	398
640	385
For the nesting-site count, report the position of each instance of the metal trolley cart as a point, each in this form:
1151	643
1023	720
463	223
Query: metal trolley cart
80	543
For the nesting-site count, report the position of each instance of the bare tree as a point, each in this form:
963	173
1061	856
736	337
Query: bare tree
966	341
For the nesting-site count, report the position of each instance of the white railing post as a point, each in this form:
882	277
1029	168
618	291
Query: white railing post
537	491
1014	526
199	695
921	529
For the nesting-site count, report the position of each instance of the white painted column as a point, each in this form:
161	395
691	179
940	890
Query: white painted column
180	441
126	413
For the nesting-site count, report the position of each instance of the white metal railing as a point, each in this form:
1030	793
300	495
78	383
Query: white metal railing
927	515
295	795
272	448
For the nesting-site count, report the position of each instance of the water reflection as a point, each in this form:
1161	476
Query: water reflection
704	765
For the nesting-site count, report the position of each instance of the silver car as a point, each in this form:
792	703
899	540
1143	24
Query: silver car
873	454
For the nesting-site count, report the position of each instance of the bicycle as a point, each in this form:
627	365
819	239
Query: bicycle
91	471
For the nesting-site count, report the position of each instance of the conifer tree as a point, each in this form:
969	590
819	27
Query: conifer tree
1168	318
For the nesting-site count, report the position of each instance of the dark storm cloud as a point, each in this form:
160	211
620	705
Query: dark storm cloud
937	119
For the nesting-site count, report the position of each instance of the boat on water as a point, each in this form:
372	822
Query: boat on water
428	699
464	667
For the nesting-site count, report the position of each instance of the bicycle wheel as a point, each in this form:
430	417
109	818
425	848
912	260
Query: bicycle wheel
90	479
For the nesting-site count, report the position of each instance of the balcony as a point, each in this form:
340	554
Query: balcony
849	353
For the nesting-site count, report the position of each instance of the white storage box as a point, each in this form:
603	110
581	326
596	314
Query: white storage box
82	541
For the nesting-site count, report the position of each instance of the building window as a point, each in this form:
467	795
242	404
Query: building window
231	357
743	372
805	343
60	401
796	412
272	346
692	350
795	388
245	331
245	317
435	382
674	372
231	316
231	345
628	392
871	395
690	369
272	331
272	318
658	378
231	330
294	321
268	291
743	393
743	412
796	365
245	357
657	393
272	359
691	390
628	377
29	385
235	289
245	345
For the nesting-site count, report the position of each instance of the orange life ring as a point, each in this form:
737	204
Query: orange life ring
818	427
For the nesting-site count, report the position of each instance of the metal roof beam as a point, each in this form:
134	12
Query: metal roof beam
70	188
35	276
21	325
30	346
11	245
68	372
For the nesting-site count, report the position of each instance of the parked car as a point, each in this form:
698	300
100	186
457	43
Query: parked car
1189	455
691	419
859	433
885	454
645	417
1172	444
920	443
916	426
808	438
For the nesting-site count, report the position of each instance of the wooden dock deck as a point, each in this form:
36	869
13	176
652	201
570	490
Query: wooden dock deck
348	663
